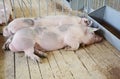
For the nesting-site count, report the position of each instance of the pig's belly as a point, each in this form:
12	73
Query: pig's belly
51	45
21	44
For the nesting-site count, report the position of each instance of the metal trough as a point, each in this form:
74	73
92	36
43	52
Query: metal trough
108	20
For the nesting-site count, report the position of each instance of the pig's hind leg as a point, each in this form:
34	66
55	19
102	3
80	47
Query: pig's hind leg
30	53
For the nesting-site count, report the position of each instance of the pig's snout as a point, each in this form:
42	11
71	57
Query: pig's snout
93	39
98	39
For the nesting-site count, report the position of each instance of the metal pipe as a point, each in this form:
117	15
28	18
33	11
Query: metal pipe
5	12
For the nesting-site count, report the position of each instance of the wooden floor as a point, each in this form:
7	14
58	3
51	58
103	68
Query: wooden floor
98	61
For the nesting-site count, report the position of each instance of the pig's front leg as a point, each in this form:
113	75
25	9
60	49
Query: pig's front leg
6	44
38	51
72	43
30	53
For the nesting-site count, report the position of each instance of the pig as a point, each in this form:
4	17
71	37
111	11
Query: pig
5	14
52	38
61	19
58	20
16	25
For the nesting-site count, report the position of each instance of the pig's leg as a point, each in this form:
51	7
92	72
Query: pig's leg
72	43
6	44
30	53
40	53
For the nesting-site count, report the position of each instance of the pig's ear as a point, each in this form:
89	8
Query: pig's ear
91	30
29	21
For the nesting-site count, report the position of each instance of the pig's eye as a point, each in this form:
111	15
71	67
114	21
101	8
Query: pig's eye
92	33
85	21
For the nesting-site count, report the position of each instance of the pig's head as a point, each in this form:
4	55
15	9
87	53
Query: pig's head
90	37
16	25
85	22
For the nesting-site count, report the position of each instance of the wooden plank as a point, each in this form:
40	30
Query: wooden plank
90	64
110	54
96	55
108	62
112	48
75	65
54	66
34	69
2	57
6	62
9	65
2	64
113	62
46	69
22	67
64	68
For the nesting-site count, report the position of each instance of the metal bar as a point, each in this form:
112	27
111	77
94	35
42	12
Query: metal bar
39	8
5	12
13	7
21	8
118	5
113	3
105	2
55	7
89	6
30	7
77	7
98	3
62	5
47	7
70	5
25	4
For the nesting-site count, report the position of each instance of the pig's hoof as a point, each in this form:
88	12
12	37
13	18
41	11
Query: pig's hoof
6	46
43	55
40	54
34	57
